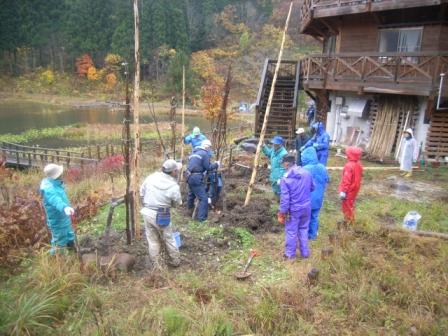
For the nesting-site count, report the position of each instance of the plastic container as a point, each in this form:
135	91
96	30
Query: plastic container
177	239
410	221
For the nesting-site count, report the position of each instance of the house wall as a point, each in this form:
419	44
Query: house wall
349	121
443	38
360	34
420	129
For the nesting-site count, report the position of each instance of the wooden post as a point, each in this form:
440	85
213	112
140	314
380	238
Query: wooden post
135	176
98	152
29	159
18	159
34	152
82	162
89	152
268	109
57	156
68	159
183	123
107	150
112	149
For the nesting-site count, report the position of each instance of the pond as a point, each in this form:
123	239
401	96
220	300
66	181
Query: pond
19	116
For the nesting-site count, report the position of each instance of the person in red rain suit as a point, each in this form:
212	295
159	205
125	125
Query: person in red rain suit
351	182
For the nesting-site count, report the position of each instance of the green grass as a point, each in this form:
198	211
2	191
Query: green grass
376	282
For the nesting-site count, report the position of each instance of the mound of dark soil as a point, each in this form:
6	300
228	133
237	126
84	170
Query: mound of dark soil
256	216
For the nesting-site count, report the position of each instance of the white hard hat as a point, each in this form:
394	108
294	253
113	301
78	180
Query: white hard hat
171	165
206	144
53	170
300	130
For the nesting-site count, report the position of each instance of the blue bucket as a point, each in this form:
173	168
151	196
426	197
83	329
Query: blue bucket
177	239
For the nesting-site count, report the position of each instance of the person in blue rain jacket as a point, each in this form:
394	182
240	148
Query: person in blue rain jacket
275	155
198	165
320	141
195	138
320	179
57	208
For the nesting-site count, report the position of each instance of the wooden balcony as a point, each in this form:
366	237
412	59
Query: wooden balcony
404	73
318	9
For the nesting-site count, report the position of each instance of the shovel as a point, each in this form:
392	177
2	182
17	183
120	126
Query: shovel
245	274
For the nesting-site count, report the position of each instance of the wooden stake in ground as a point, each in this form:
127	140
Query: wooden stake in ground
268	109
183	123
135	176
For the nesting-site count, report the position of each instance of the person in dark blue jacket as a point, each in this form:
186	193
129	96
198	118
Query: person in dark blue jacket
320	141
57	208
301	139
198	165
320	179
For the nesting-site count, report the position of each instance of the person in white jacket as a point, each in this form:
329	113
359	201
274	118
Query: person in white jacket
159	192
409	153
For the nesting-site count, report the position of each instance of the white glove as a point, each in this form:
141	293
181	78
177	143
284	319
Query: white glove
218	163
342	195
278	181
69	211
209	200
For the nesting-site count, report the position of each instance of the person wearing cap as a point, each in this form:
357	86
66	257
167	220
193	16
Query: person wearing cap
275	155
198	165
301	139
320	141
408	153
58	210
311	112
195	138
158	193
295	207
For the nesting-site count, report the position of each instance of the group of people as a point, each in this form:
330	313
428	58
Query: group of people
300	183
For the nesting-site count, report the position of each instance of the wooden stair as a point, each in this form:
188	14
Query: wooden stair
282	117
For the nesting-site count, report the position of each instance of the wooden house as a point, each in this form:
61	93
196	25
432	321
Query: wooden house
379	71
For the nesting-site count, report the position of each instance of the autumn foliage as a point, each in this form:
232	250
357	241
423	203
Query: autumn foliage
83	64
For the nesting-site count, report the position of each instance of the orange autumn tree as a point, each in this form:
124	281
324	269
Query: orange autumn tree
211	91
83	64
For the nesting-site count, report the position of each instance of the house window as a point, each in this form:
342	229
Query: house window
330	45
400	40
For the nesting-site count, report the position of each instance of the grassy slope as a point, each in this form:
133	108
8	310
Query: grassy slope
376	282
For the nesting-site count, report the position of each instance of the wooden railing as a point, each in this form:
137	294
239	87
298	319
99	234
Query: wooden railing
421	70
322	8
35	156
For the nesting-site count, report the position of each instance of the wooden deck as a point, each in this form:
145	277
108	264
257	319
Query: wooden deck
319	9
404	73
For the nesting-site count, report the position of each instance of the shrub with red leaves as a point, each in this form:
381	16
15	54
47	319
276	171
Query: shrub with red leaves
111	165
74	174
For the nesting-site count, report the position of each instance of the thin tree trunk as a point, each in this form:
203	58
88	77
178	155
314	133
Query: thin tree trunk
268	109
135	176
61	59
183	122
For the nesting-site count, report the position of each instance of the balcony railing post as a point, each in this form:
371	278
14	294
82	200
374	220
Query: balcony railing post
363	68
397	66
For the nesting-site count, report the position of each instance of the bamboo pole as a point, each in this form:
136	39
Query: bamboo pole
268	109
135	176
183	122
